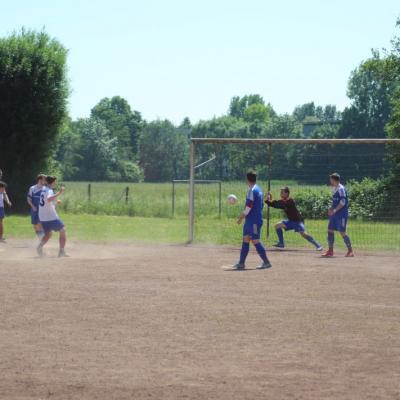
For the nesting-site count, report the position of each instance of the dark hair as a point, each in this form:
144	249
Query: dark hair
252	176
50	179
335	176
285	189
3	184
40	176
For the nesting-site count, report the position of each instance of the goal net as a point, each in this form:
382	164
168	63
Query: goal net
365	166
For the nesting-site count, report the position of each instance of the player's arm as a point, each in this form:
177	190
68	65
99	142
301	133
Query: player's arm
273	203
247	208
55	195
7	200
29	200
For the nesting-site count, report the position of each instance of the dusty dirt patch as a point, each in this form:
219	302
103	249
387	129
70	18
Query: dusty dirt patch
166	322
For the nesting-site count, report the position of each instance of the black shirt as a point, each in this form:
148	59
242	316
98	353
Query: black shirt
289	206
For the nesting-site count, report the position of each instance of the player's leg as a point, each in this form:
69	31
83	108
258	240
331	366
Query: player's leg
1	230
43	241
310	239
331	241
63	240
346	239
244	251
279	232
256	234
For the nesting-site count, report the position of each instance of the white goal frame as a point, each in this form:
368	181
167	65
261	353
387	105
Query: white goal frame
264	142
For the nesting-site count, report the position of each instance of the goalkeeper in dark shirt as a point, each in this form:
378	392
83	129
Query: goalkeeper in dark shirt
294	219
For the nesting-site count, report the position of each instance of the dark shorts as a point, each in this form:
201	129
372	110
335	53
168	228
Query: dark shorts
49	226
294	226
2	213
252	229
337	223
35	218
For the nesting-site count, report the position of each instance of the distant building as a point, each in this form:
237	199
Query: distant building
310	123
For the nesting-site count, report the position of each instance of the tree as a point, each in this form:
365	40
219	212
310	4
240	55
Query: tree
97	150
239	104
34	90
123	124
163	151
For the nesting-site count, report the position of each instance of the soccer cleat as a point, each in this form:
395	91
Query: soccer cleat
239	267
264	265
279	245
39	250
327	254
62	253
320	248
349	253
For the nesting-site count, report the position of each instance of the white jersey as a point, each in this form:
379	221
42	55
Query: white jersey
1	200
47	210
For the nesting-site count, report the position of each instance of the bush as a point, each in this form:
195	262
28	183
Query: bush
368	198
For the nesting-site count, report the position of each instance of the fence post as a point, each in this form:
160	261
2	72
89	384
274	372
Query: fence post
173	199
220	199
127	194
191	193
89	191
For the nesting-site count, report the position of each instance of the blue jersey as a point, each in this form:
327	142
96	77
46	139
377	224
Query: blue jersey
255	201
34	194
339	196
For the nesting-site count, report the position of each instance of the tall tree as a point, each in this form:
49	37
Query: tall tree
123	124
163	150
33	90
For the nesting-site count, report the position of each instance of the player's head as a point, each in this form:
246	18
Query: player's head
3	186
334	179
41	179
251	177
285	192
50	181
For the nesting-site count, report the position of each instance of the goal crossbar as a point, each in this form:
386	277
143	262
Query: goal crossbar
264	141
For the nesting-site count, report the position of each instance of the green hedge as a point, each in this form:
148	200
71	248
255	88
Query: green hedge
369	199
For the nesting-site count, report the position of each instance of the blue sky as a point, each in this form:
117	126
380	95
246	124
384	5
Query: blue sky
177	58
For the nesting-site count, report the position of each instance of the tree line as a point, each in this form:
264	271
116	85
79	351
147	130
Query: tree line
116	143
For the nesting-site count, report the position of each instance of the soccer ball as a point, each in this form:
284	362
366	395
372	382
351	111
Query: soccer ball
232	199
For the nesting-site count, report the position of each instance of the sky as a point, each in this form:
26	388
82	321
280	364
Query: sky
181	58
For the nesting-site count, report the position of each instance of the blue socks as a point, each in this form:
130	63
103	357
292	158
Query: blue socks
331	240
243	252
261	252
312	241
279	232
347	242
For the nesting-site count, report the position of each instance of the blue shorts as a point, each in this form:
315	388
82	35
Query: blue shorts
49	226
337	223
2	213
35	217
252	229
293	225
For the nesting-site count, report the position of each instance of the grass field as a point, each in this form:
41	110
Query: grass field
366	236
109	198
146	216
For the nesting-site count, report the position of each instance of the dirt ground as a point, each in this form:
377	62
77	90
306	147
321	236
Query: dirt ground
126	321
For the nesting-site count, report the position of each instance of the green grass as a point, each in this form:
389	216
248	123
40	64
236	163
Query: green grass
365	235
155	199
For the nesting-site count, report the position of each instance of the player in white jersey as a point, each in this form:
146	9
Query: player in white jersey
3	199
33	200
48	216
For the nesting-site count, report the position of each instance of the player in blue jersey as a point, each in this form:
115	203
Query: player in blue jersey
252	214
338	215
33	200
3	200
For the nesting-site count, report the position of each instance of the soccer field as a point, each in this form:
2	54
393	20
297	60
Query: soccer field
123	321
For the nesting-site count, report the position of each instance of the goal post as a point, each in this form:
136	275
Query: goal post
268	144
